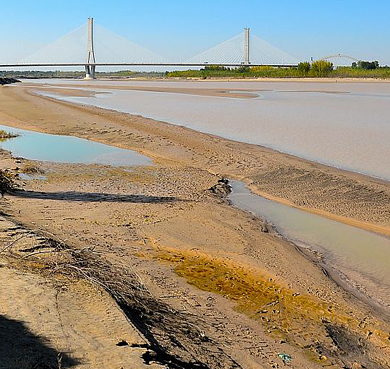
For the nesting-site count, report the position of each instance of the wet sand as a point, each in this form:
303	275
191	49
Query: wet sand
84	206
66	89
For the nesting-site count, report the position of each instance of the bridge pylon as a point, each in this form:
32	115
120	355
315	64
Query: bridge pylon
247	46
89	67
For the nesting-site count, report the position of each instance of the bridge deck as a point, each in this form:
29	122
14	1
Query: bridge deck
141	64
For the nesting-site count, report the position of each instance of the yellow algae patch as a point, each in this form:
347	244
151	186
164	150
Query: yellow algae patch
301	319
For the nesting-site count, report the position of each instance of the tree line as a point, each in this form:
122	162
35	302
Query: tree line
317	69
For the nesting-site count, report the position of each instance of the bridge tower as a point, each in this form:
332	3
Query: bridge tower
90	69
247	46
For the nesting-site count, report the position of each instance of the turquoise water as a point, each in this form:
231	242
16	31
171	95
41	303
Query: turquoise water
362	256
68	149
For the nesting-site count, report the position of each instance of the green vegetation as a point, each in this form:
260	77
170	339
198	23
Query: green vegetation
241	72
366	65
351	72
129	74
320	68
304	68
77	74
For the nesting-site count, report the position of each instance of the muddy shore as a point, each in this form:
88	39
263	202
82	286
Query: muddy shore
164	224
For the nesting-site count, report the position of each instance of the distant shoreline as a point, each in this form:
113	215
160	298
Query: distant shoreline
219	79
129	75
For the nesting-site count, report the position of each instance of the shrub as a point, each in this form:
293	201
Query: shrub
215	68
304	68
368	65
7	182
321	68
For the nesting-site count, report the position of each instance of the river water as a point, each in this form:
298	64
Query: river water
346	125
341	124
359	257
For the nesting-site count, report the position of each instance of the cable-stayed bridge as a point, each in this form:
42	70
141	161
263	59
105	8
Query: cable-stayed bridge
105	48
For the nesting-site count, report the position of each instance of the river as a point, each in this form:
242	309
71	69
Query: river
346	125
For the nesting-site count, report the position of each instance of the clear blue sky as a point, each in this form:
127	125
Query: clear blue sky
175	29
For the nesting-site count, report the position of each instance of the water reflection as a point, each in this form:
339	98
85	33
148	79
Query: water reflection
68	149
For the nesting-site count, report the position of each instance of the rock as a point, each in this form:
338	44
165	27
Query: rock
222	188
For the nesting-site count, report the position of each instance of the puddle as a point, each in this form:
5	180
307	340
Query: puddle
361	256
68	149
29	177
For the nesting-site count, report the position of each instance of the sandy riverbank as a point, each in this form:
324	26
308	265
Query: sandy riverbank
163	216
341	195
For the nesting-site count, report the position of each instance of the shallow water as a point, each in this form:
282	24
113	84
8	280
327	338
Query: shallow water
30	177
346	125
362	256
68	149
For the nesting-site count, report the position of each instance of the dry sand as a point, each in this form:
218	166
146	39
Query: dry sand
251	294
